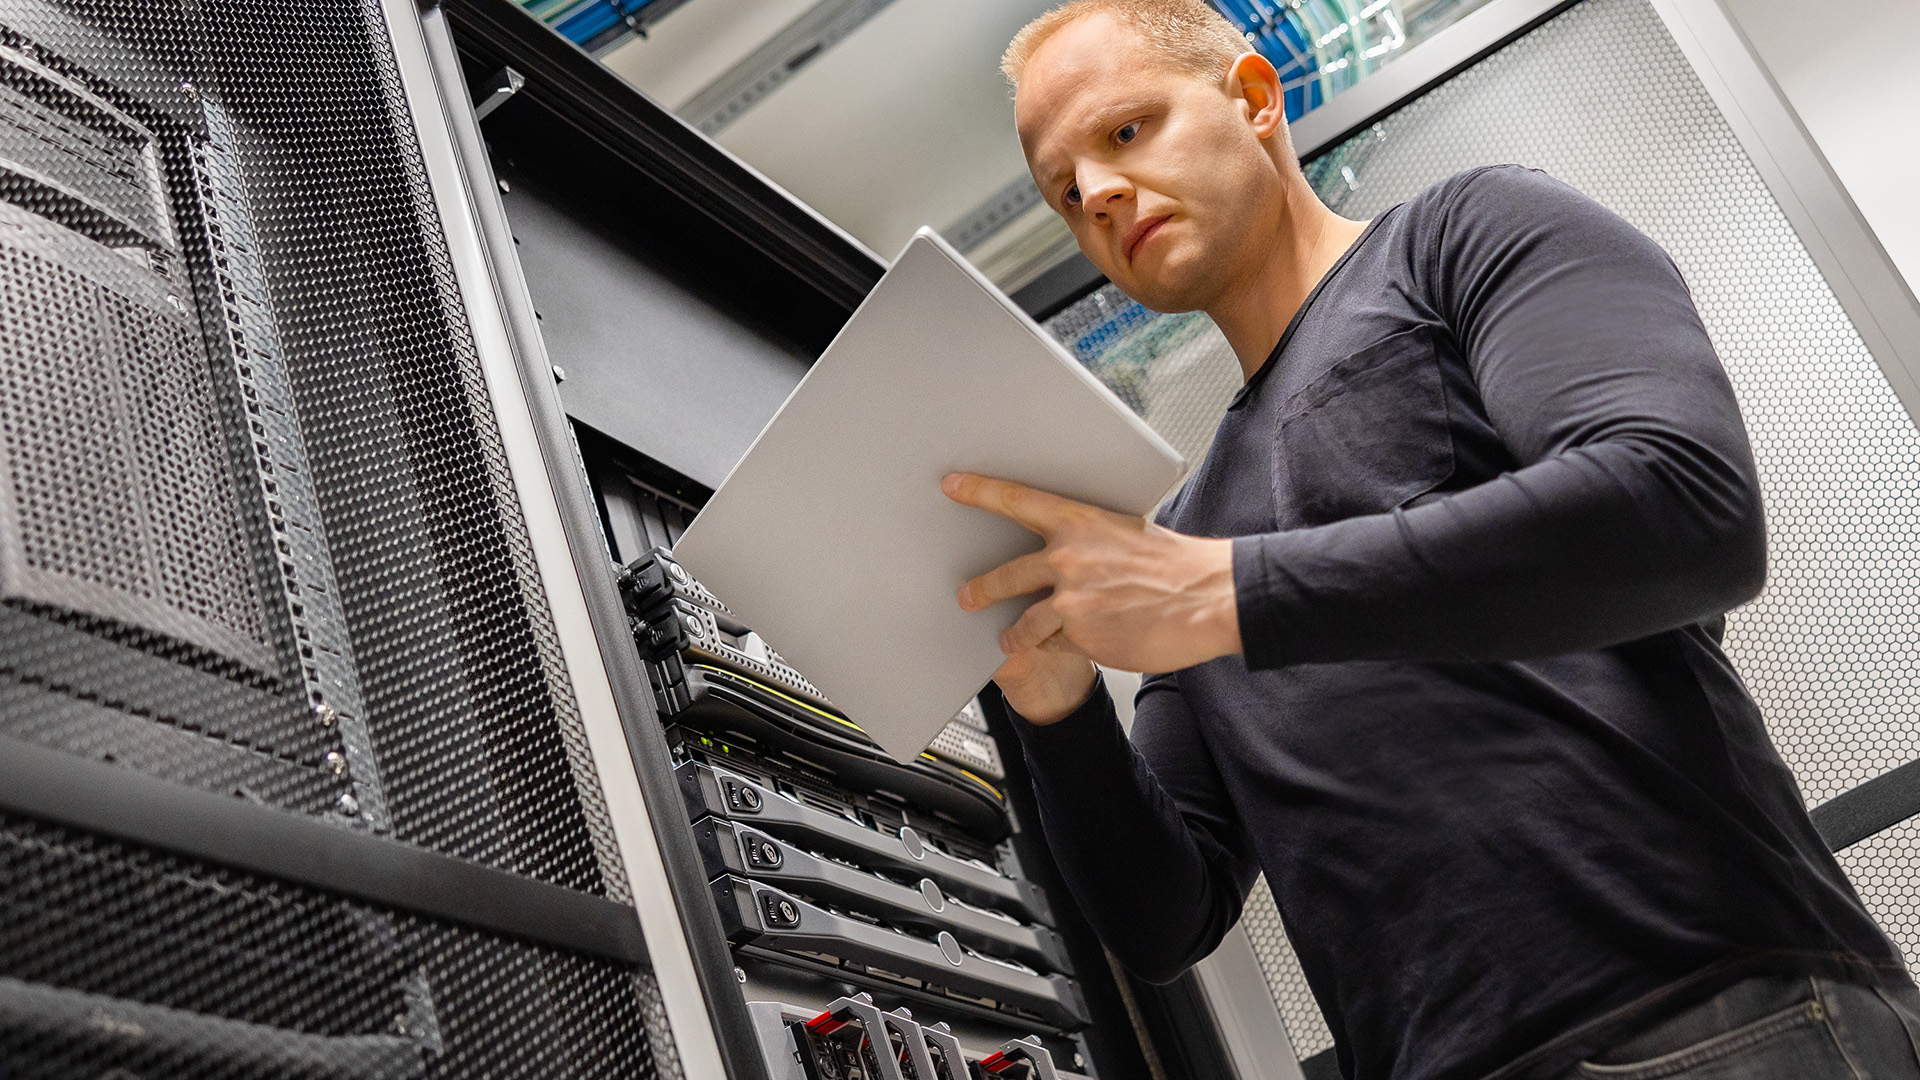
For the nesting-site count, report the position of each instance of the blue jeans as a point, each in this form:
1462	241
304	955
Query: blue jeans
1776	1028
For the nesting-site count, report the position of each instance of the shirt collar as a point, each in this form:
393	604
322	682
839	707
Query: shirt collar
1260	374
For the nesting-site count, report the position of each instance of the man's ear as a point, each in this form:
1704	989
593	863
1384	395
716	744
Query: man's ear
1252	80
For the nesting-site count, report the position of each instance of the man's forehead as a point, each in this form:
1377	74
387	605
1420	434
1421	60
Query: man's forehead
1078	70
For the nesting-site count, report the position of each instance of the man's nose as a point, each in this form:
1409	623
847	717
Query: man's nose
1102	190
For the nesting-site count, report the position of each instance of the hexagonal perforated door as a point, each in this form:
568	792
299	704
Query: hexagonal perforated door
1601	97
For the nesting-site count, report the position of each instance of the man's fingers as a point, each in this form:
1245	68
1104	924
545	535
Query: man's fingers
1028	573
1058	643
1041	511
1039	623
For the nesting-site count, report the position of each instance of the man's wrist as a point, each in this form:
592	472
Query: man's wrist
1054	699
1222	612
1052	720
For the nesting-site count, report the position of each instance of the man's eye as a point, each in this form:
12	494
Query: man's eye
1072	196
1127	132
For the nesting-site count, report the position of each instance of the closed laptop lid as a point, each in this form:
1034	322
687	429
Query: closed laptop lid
831	537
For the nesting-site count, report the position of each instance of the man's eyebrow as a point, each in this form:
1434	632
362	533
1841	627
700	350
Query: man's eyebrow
1109	113
1099	120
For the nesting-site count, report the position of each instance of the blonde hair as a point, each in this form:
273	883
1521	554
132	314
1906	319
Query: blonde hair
1188	34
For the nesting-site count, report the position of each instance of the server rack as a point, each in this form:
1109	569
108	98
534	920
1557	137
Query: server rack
328	747
1006	957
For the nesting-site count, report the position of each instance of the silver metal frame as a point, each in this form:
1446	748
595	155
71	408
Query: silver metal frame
481	294
1426	65
1249	1022
1871	289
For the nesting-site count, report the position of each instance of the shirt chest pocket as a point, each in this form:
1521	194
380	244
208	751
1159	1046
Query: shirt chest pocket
1369	435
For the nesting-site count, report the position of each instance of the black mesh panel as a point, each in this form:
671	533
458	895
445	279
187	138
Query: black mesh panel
257	536
224	281
118	958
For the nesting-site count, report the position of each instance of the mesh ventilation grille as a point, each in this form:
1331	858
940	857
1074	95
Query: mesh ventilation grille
274	384
168	967
117	497
278	407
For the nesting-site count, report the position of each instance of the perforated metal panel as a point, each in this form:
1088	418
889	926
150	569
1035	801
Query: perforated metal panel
274	380
257	535
1176	371
117	498
126	963
1602	98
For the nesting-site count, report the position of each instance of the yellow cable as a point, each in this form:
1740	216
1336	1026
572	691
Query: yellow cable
840	720
784	696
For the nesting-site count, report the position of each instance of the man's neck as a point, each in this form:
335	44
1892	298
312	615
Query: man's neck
1257	310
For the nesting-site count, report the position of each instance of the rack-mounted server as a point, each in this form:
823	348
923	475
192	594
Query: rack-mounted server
824	854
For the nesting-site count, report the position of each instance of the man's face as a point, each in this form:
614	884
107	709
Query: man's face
1155	170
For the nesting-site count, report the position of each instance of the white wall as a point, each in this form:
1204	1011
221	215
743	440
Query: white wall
699	42
906	122
1851	69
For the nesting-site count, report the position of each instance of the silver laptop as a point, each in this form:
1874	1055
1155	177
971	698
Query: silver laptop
831	537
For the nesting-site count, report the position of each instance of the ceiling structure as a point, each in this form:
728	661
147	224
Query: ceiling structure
886	115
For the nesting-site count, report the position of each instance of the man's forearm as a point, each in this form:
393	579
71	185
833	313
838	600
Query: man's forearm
1602	544
1152	893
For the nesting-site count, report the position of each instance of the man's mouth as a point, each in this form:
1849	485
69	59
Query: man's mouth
1140	233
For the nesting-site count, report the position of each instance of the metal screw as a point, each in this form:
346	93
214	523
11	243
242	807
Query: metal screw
559	374
504	189
739	975
337	762
325	714
348	804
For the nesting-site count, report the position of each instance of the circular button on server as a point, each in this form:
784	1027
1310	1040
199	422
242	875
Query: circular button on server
763	852
782	913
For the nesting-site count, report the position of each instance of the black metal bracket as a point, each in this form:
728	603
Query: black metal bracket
632	693
494	93
1869	808
582	93
96	797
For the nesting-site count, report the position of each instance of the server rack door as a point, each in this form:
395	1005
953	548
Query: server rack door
299	740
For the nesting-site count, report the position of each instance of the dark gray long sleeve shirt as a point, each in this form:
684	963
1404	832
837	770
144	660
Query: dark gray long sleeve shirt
1490	496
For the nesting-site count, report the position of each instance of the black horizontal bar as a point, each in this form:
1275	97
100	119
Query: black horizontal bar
1321	1066
291	847
587	95
1063	283
77	1017
1869	808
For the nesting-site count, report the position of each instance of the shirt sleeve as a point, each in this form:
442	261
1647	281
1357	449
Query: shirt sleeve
1634	507
1142	829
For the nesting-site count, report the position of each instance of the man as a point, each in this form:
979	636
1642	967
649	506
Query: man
1436	620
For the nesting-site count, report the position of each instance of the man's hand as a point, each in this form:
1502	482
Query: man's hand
1126	593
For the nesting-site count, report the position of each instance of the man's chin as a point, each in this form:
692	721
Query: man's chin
1155	293
1156	285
